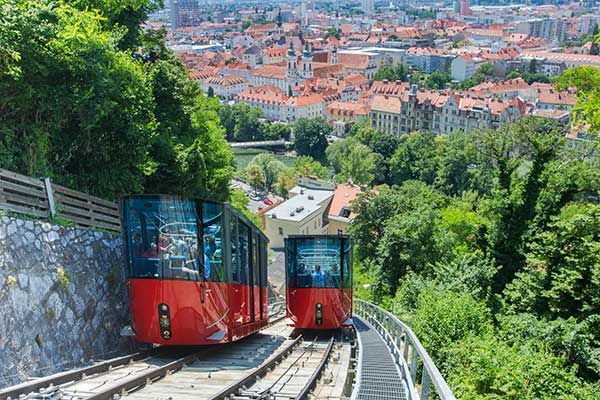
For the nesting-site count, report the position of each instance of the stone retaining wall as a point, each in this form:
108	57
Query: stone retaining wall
63	298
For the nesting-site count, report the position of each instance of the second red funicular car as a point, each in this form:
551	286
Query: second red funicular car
319	281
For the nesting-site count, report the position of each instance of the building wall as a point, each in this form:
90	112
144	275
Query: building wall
277	229
337	227
63	298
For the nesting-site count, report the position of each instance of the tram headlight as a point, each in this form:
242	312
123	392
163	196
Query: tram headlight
319	314
164	321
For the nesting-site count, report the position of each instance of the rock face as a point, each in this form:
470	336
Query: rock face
63	298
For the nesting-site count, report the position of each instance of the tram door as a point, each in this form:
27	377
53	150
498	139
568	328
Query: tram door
244	251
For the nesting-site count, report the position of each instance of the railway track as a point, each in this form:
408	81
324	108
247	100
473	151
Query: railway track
268	365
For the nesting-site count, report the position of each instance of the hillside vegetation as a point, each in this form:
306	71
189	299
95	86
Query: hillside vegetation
488	245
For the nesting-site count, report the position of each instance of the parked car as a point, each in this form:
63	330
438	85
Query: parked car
268	201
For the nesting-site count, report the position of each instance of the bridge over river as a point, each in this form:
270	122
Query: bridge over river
263	143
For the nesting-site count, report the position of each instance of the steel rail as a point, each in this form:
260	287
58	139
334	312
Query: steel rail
312	381
73	375
150	376
159	373
251	377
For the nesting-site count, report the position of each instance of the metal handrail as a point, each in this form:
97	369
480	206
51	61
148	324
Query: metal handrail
407	350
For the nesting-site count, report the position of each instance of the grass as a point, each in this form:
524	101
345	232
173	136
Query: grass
63	278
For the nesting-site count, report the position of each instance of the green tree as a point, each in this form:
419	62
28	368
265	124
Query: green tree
565	260
310	137
415	158
74	105
587	82
270	167
240	201
359	166
392	73
255	176
210	92
437	80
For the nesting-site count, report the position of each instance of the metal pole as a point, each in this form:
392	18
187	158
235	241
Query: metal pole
425	381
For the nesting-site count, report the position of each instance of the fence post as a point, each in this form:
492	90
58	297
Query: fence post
425	381
50	196
413	364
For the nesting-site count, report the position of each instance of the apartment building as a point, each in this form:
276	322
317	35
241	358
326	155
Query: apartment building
441	112
427	59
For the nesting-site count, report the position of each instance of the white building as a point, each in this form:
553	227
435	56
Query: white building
463	67
225	87
301	214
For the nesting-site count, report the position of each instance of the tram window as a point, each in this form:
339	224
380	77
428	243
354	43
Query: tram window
235	273
255	260
243	253
212	238
317	263
264	261
347	264
290	251
162	240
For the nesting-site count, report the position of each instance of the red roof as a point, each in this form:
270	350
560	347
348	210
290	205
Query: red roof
343	196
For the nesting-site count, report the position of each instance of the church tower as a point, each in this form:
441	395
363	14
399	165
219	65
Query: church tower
291	71
280	32
334	59
307	64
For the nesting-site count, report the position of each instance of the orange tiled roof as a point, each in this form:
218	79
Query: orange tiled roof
396	88
226	80
303	101
386	104
343	196
347	109
270	71
268	94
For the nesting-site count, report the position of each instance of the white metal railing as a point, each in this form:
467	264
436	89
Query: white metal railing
407	351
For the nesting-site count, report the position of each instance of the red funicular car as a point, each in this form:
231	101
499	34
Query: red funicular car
197	271
319	281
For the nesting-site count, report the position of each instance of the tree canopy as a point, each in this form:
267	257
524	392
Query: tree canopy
99	105
486	244
310	137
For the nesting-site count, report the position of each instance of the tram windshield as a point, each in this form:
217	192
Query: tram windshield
318	262
162	238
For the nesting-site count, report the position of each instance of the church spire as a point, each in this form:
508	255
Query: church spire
307	52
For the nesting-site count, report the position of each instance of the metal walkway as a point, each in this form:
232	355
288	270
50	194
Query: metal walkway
391	358
377	373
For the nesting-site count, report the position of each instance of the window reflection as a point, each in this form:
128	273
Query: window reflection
162	238
212	216
314	262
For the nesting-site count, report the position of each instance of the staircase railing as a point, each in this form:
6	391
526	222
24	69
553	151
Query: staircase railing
408	352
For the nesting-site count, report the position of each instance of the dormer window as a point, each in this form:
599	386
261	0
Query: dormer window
345	212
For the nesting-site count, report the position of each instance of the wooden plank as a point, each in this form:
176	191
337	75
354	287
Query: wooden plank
30	191
91	214
23	210
9	197
84	196
62	199
87	223
21	178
